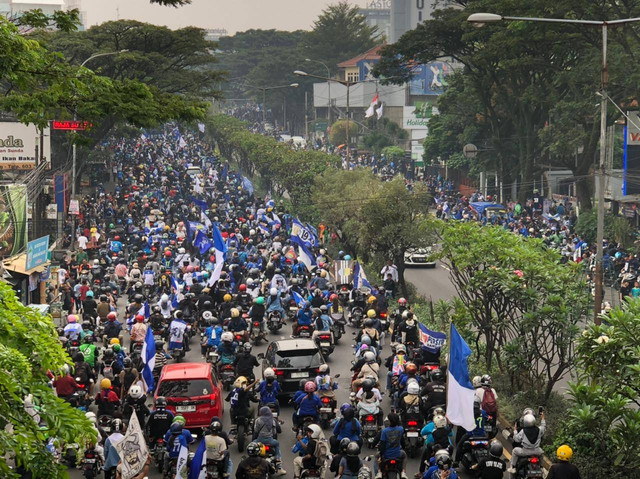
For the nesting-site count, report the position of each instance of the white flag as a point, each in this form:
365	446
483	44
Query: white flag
182	143
181	465
201	127
371	110
379	111
132	449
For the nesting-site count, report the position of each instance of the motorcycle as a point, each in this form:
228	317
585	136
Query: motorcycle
412	440
355	316
83	395
369	415
474	450
529	468
274	321
227	375
426	370
305	331
91	464
391	469
215	469
177	354
158	452
242	429
491	427
239	338
327	412
292	312
255	334
384	322
338	325
324	341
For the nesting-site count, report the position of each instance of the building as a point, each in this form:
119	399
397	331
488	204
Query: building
12	8
378	14
407	15
359	68
214	34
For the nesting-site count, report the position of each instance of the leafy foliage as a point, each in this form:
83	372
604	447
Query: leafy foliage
338	132
383	133
616	228
28	349
521	301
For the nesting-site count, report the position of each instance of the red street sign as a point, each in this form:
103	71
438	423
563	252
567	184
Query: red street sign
71	125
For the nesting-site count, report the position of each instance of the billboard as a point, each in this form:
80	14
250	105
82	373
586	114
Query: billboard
430	79
13	219
365	67
37	252
630	182
18	145
413	120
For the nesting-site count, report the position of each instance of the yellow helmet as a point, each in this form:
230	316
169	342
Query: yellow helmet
241	381
323	274
235	312
114	341
564	453
371	314
105	384
226	298
372	299
167	228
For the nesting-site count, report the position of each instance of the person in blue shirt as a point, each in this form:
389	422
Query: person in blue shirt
308	404
212	335
274	303
442	467
347	426
176	438
269	389
303	318
390	444
116	245
437	435
227	348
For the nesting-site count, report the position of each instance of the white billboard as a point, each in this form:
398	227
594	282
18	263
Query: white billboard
412	120
18	145
633	128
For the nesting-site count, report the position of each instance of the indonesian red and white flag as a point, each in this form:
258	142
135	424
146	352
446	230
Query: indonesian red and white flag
372	108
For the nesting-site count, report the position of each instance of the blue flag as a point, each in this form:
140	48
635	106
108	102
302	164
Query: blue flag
199	461
202	242
297	298
432	341
359	278
302	235
148	356
147	309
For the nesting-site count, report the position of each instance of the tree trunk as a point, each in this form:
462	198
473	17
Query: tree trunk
583	192
399	261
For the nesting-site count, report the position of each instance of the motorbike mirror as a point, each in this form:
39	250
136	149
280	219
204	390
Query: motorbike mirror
337	376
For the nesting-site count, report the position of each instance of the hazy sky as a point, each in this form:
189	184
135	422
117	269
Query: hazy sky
234	15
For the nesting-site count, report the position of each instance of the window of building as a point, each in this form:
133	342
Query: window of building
352	76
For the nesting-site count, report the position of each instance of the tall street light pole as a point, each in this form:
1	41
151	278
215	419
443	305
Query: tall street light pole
482	18
328	85
346	83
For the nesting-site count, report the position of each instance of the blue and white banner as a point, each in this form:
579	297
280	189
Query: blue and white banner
220	252
431	340
460	391
202	242
302	235
247	185
198	469
359	278
306	258
297	298
148	355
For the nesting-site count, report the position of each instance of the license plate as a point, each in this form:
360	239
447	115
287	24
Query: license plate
326	409
370	427
412	433
185	408
299	375
89	461
274	414
325	345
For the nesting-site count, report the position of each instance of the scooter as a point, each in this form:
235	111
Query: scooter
474	449
274	321
324	341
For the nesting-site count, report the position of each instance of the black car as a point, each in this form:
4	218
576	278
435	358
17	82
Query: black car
293	360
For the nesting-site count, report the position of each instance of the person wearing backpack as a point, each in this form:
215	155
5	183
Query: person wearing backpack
346	427
316	451
84	372
128	377
488	396
110	368
438	435
107	400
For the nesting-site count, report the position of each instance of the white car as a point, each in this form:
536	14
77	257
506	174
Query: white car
419	257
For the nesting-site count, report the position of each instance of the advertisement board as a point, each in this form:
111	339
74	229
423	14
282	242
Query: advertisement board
37	252
430	79
412	120
13	219
18	145
630	184
365	69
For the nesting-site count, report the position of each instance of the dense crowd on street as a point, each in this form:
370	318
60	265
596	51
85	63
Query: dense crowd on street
179	252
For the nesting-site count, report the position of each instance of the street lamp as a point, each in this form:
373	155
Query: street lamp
346	83
329	85
480	19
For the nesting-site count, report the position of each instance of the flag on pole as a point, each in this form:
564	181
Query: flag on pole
359	277
431	340
201	127
379	111
460	391
302	235
148	355
147	310
181	465
182	143
132	449
220	252
371	110
306	257
202	242
198	468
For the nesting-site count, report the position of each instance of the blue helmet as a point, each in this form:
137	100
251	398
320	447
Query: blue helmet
346	406
176	428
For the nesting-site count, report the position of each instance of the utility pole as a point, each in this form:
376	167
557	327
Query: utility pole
306	118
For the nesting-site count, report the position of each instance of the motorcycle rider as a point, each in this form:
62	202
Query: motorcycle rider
84	371
111	457
370	330
238	324
396	363
245	362
243	298
530	437
563	469
254	466
390	445
303	318
324	385
269	388
107	401
308	461
443	468
212	335
370	368
347	426
177	329
135	401
73	330
436	391
113	327
175	439
156	319
227	348
408	330
265	431
410	403
493	466
240	399
350	465
216	446
138	332
90	351
159	421
274	302
308	404
257	312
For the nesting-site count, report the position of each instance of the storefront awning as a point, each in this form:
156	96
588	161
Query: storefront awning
17	264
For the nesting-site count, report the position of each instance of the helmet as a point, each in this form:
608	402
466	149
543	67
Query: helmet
135	391
227	336
72	318
323	274
161	402
316	432
411	368
127	363
345	407
309	387
365	339
402	302
368	384
443	460
269	373
226	298
240	382
413	387
254	448
371	314
259	300
368	323
105	384
235	312
323	308
353	449
401	348
180	419
114	341
344	442
176	428
437	375
167	254
333	297
439	422
526	411
369	357
439	412
215	426
495	449
273	291
117	348
139	318
476	381
528	420
371	299
90	293
242	288
564	453
323	369
485	380
247	347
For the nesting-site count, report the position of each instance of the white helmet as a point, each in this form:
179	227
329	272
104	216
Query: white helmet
529	420
249	282
369	357
439	421
322	251
96	262
181	251
413	387
252	232
315	431
164	298
273	291
269	373
227	336
135	391
476	381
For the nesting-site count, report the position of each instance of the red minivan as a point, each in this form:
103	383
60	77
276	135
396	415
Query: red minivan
193	391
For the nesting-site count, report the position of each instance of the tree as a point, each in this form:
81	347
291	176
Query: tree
522	302
382	133
604	420
29	348
340	33
338	132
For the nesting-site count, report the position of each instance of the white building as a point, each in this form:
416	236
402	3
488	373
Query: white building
407	15
11	8
378	14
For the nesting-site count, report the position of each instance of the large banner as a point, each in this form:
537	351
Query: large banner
18	145
631	181
430	79
13	219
